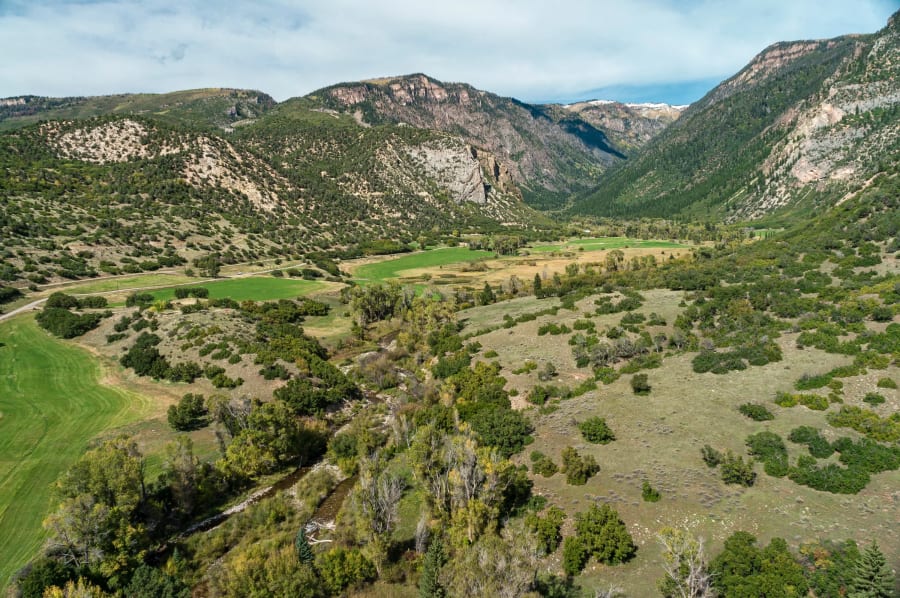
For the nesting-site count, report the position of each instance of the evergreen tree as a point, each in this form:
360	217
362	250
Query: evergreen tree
429	585
537	286
872	578
304	550
487	295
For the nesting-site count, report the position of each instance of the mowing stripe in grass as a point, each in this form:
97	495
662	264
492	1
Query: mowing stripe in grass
51	404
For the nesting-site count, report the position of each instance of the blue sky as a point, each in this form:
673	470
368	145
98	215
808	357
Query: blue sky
535	50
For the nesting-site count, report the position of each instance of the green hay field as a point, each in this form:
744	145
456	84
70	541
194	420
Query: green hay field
256	288
123	282
393	268
601	243
52	403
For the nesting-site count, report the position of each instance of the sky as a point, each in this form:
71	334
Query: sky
535	50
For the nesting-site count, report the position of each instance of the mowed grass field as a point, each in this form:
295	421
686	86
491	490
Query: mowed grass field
52	403
393	268
598	243
123	282
659	437
256	288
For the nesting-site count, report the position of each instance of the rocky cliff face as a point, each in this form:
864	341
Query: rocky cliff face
810	121
630	126
544	150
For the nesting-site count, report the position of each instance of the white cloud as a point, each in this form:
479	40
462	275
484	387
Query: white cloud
526	48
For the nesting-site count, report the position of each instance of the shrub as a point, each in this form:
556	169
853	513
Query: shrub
607	375
766	445
277	370
649	494
553	329
546	529
490	354
539	395
528	366
756	412
548	372
640	385
500	427
65	324
886	383
145	359
140	300
867	422
831	478
188	414
187	371
542	464
814	402
736	471
807	382
223	381
868	455
596	430
873	398
575	556
578	468
452	365
711	456
42	573
817	445
62	301
602	535
341	568
642	362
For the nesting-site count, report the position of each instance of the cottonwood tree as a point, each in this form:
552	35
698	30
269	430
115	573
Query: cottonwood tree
94	526
377	502
464	483
502	565
685	565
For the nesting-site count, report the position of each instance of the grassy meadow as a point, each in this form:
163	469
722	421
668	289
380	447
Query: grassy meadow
605	243
382	270
256	288
53	401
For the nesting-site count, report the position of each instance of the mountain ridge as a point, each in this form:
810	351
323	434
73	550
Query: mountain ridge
802	125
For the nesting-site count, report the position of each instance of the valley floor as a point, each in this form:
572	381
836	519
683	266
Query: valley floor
54	399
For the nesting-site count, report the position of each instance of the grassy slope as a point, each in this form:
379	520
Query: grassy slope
384	270
659	437
52	402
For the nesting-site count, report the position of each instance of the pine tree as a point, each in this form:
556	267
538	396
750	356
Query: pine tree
872	578
537	285
304	550
429	585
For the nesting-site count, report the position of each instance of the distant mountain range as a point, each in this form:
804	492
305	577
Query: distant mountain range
549	151
128	181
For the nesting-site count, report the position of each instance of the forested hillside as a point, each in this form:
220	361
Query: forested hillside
804	124
125	194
